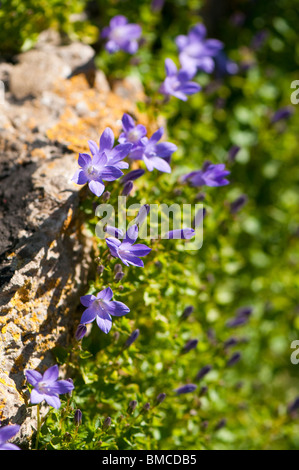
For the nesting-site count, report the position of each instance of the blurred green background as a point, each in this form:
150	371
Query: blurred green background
249	258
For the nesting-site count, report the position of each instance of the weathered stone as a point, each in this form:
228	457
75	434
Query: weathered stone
45	255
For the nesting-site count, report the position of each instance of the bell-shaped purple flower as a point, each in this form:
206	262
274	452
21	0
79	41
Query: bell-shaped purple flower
197	52
115	154
104	165
47	386
126	251
121	35
101	308
6	433
132	134
212	175
154	154
177	82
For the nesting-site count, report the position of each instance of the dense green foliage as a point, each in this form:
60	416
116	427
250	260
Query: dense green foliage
247	259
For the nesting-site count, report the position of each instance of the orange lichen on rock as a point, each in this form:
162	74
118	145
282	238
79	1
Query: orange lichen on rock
88	111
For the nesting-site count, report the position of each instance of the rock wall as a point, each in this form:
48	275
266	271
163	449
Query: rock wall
55	101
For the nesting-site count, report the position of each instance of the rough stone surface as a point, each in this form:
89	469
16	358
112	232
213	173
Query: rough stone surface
45	255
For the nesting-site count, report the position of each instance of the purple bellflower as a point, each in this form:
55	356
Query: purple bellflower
197	52
121	35
47	387
177	82
100	308
154	154
115	154
104	164
132	134
125	250
212	175
6	433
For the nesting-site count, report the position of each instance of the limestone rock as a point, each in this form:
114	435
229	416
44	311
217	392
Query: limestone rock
45	255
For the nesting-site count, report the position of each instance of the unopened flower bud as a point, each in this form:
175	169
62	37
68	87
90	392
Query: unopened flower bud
107	423
78	417
161	397
81	331
203	372
191	344
118	276
220	424
132	176
238	204
230	342
146	407
203	390
232	153
132	406
294	406
234	359
127	188
118	268
185	389
187	312
132	338
106	196
100	269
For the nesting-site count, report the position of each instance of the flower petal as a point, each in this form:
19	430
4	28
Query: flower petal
84	159
88	315
160	164
127	122
79	177
113	244
131	235
117	309
53	401
104	322
165	149
106	140
170	67
105	294
140	250
9	431
128	258
156	135
111	173
51	374
64	386
93	147
33	376
96	187
87	300
36	397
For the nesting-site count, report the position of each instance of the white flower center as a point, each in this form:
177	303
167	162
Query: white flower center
43	387
133	135
118	33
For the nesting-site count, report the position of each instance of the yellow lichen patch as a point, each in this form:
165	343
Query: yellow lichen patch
87	112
